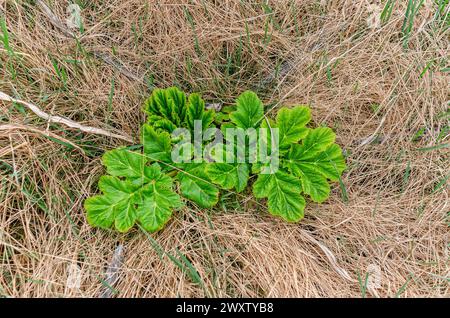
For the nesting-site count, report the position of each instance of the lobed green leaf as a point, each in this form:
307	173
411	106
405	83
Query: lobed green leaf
284	195
195	185
249	111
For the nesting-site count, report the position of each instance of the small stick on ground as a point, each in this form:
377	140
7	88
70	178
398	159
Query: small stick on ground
65	121
39	131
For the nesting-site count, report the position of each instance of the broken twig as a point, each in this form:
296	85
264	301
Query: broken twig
61	120
39	131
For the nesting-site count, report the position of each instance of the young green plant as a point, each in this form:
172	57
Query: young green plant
146	185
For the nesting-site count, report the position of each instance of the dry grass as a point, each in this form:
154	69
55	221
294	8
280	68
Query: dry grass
363	82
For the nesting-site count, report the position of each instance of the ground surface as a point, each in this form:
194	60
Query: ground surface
381	84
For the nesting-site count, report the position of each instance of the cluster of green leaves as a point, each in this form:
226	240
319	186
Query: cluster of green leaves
145	186
308	158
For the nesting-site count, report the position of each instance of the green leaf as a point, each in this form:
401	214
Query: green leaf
314	184
168	104
100	211
314	164
178	99
318	140
243	173
329	163
157	145
123	202
283	193
162	124
221	118
125	163
113	206
157	203
249	111
291	124
196	186
196	111
229	176
263	185
117	188
125	215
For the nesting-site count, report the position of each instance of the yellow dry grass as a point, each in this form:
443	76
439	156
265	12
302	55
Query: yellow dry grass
374	88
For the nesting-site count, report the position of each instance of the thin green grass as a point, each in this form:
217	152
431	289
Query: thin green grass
387	11
4	37
439	146
363	284
406	176
441	184
61	71
408	22
181	261
190	19
113	290
402	289
110	100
